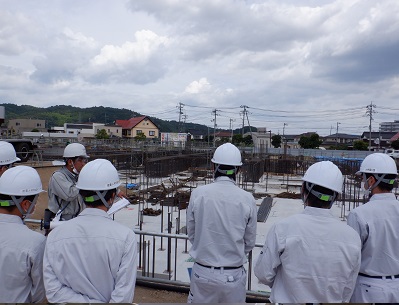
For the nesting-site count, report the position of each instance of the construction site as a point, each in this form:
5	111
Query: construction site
158	183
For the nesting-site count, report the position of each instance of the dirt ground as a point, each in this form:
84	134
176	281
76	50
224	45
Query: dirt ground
142	294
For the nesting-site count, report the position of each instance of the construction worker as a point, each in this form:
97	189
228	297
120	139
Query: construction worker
21	255
7	156
377	223
64	199
221	226
91	258
312	257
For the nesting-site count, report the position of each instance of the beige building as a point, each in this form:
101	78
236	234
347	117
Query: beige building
18	126
138	125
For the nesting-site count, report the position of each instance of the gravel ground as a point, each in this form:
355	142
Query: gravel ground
142	294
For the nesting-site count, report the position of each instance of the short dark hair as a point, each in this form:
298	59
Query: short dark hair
86	194
316	202
383	185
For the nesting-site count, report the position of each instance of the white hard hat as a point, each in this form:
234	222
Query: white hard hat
378	163
75	150
20	181
325	174
227	154
7	153
98	175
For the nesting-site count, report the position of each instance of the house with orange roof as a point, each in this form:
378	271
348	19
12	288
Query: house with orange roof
137	125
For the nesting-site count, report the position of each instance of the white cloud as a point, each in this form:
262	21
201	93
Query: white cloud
198	86
283	55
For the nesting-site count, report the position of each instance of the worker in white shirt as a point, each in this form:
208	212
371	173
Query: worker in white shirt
91	258
221	226
377	223
312	257
8	156
21	254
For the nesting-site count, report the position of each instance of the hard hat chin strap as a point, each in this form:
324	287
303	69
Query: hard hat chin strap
321	196
101	196
226	171
380	178
17	202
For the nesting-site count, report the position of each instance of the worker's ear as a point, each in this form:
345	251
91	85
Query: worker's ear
25	204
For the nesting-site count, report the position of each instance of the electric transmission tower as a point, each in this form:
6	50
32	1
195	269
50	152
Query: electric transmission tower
369	112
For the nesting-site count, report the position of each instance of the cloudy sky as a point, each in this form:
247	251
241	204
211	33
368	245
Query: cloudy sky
296	65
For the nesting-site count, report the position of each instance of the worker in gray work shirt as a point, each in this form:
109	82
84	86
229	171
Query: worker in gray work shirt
377	223
64	199
21	254
312	257
221	225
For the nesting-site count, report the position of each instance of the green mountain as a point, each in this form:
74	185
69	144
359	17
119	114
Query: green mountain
60	114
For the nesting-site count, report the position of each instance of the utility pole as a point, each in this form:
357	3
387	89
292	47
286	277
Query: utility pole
180	107
369	113
244	113
336	144
231	128
214	112
285	124
184	117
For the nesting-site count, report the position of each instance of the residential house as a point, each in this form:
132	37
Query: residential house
223	136
112	130
18	126
138	125
290	141
262	139
196	134
339	139
379	140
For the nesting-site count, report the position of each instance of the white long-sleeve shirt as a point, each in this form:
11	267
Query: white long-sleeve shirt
90	258
310	257
221	223
21	262
377	223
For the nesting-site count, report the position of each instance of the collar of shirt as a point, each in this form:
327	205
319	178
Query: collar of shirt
10	219
383	196
317	212
94	212
68	173
224	178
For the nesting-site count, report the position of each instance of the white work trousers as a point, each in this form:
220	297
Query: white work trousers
210	285
370	290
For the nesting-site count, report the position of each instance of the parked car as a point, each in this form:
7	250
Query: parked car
394	153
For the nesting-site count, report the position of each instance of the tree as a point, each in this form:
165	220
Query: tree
247	140
102	134
395	144
310	142
237	139
276	141
360	145
140	137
